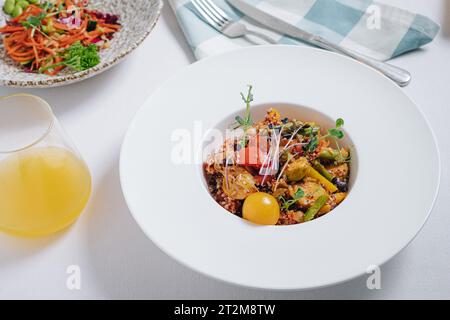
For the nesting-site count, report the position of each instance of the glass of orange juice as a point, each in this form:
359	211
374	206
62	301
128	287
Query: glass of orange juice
44	183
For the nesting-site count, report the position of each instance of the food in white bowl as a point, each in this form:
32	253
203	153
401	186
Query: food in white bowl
279	170
383	211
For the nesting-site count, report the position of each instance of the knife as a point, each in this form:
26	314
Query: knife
396	74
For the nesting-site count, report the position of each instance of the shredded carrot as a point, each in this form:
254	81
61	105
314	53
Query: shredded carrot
110	26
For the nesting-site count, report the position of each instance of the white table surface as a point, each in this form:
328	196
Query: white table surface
115	257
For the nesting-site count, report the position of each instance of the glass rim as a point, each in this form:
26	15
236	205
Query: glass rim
46	106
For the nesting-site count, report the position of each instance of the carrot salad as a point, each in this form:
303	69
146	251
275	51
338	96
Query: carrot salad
49	36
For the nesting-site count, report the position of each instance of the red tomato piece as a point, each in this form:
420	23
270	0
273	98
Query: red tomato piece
254	153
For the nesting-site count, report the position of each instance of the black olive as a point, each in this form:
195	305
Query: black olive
342	185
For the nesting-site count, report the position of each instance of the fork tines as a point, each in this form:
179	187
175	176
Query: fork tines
212	13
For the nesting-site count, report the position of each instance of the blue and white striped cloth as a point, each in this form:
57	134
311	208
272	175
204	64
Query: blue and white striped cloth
372	28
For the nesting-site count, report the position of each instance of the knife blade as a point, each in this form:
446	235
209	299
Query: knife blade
400	76
272	22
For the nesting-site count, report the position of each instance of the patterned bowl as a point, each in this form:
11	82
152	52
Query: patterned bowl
138	17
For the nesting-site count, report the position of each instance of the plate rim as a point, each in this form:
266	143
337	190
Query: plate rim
276	288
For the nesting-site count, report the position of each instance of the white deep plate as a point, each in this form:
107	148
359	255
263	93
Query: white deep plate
395	175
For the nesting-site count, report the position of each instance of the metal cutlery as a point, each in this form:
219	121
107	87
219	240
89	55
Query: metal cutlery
398	75
223	23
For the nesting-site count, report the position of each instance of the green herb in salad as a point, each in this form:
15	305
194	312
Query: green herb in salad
77	57
34	21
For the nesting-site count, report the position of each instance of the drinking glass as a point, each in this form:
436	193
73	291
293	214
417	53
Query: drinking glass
44	183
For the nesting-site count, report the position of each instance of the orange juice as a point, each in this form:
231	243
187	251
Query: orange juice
42	190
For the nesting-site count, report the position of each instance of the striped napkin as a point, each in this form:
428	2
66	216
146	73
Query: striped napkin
369	27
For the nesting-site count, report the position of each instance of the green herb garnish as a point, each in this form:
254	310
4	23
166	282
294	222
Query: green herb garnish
313	142
286	204
34	21
77	57
247	121
335	132
312	145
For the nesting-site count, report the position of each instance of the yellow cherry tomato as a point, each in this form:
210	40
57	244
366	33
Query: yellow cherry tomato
261	208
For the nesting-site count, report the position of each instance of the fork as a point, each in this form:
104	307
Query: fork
223	23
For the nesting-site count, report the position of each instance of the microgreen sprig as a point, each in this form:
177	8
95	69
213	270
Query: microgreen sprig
247	121
286	204
313	143
314	140
335	132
